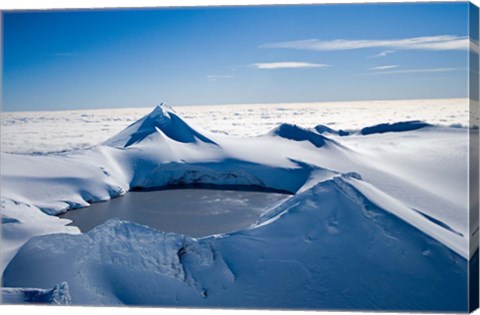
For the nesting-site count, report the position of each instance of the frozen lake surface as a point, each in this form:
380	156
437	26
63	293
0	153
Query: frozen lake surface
194	212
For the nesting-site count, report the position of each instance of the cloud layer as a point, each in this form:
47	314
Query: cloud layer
383	54
384	67
442	42
287	65
428	70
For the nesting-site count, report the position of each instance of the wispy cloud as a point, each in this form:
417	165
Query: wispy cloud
384	67
287	65
442	42
215	77
420	70
383	54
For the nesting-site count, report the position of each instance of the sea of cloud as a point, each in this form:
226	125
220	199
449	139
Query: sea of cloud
57	131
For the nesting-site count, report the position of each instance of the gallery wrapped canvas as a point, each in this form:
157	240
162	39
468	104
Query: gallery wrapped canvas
320	157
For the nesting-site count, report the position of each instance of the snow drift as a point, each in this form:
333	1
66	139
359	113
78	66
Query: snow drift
372	217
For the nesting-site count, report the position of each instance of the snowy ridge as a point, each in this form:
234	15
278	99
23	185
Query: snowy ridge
436	229
401	126
395	127
390	201
325	129
296	133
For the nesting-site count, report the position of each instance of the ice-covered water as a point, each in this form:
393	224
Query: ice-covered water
194	212
53	131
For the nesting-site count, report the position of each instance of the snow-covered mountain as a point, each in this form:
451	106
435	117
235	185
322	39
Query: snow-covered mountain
378	218
161	122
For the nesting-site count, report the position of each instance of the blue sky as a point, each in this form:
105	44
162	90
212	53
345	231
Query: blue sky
225	55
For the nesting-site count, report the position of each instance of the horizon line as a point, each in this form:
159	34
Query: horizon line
238	104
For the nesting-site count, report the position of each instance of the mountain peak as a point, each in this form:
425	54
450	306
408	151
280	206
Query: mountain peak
162	119
162	110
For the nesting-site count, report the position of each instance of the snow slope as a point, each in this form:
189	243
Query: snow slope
393	201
